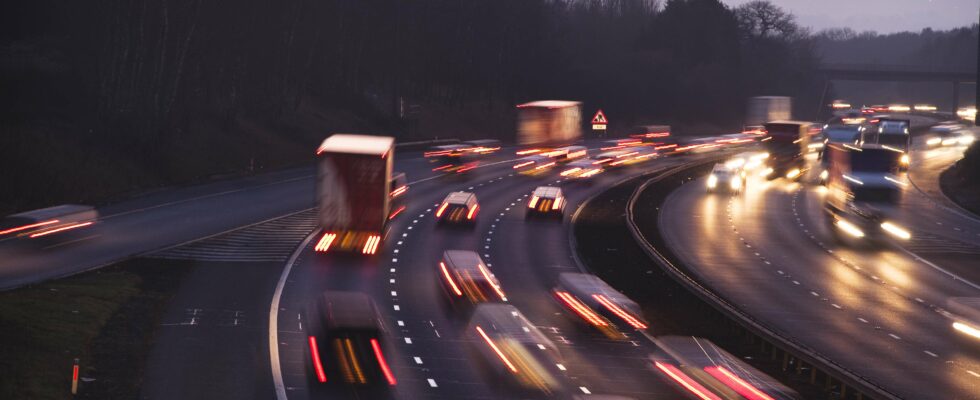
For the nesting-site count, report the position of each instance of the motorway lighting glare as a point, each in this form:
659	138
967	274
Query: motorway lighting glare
896	230
712	181
899	108
924	107
849	228
735	163
967	329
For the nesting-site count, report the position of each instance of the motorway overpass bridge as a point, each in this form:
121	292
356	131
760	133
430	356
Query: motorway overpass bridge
900	73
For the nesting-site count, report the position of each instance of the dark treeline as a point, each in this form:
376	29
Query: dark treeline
113	95
952	50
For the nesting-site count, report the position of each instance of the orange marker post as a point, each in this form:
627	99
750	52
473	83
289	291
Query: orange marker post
74	378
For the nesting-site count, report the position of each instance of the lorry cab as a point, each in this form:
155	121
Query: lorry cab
467	280
863	192
345	341
458	208
787	142
893	134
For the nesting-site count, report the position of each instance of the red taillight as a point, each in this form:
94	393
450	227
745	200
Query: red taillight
686	381
581	309
523	164
398	211
493	283
25	227
371	246
737	384
633	321
398	192
315	354
61	229
382	363
500	354
449	279
441	209
472	212
324	244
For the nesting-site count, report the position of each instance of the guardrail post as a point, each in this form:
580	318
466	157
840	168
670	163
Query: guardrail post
785	360
813	375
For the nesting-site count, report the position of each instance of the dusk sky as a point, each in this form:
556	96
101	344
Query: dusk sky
884	16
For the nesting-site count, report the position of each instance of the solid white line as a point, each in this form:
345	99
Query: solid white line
940	269
274	319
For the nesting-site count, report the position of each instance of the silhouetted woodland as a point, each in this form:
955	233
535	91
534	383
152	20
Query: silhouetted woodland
108	96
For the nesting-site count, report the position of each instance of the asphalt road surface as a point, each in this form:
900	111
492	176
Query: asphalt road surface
431	357
877	311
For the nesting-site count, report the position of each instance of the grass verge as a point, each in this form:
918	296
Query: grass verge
105	318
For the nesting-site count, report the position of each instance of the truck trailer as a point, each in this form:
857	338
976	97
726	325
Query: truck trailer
763	109
354	192
549	123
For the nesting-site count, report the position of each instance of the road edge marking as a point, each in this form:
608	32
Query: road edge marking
274	363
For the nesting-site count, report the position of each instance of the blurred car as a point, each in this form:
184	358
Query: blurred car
536	164
568	154
467	280
949	135
452	158
726	178
748	161
483	146
965	312
582	168
47	223
458	208
345	342
513	348
546	201
598	305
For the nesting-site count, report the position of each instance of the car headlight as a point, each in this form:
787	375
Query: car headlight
934	141
735	182
905	159
896	230
966	140
824	174
712	181
793	173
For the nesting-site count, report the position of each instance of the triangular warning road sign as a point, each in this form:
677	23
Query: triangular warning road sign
599	118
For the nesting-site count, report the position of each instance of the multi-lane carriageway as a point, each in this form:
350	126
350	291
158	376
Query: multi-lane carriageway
879	311
430	356
427	351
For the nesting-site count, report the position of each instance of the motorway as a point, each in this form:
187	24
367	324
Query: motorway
431	358
877	311
170	218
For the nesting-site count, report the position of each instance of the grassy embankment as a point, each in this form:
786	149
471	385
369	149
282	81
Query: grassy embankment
105	318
